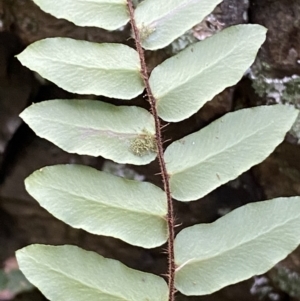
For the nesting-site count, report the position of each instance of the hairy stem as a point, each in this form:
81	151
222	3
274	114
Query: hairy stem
159	143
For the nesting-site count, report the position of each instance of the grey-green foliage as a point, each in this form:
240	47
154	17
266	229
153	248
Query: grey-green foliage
204	257
102	203
202	161
210	68
161	22
96	128
109	15
72	274
135	212
85	67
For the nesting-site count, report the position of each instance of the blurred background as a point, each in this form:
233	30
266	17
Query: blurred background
274	78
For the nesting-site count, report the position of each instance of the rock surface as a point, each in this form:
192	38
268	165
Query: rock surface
23	222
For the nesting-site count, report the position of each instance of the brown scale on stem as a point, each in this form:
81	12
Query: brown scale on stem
160	153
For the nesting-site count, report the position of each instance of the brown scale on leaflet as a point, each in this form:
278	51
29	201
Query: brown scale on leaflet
143	144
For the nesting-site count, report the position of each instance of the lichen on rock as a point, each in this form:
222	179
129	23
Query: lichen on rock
284	90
